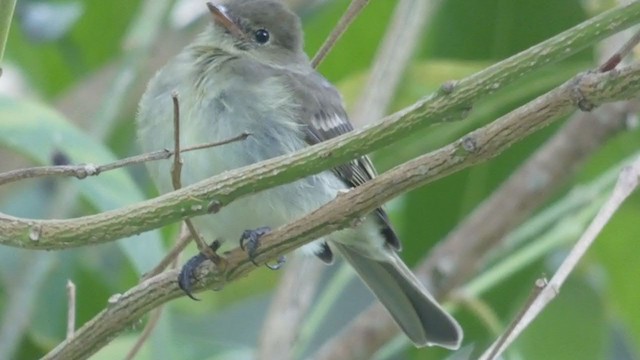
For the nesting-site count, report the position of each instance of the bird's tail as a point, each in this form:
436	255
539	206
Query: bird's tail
416	312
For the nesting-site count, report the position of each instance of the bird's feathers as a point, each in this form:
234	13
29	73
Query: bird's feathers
323	117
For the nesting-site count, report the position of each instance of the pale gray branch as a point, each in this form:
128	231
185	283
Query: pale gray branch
289	307
626	185
395	53
462	251
85	170
352	12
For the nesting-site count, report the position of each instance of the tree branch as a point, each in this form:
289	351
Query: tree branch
457	256
394	54
482	144
453	260
289	305
352	12
85	170
211	194
626	185
460	254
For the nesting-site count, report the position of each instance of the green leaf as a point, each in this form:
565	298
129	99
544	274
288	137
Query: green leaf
38	133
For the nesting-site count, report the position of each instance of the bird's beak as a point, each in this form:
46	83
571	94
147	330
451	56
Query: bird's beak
222	19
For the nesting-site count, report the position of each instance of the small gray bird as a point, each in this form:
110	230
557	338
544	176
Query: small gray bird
247	72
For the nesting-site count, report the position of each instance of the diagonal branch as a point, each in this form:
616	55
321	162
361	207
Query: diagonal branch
210	195
480	145
457	256
352	12
627	183
394	54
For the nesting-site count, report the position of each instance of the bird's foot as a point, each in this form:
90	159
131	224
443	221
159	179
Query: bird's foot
188	272
250	242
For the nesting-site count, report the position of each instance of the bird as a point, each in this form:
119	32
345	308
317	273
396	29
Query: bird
248	72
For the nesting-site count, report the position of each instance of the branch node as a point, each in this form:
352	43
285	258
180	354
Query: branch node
578	97
114	299
448	87
214	206
541	283
91	170
34	232
469	144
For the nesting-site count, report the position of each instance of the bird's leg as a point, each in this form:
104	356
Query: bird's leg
250	242
188	272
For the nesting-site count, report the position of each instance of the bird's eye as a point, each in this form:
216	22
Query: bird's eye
261	36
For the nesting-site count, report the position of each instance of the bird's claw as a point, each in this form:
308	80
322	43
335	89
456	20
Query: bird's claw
187	275
250	242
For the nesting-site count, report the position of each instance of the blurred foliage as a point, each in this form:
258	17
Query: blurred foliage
73	46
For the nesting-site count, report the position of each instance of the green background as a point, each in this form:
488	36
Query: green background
77	94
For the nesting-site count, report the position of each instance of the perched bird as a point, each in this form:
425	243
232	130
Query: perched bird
247	72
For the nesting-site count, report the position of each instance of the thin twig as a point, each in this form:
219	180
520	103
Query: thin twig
540	284
83	171
242	136
352	12
71	309
183	240
288	308
616	58
176	168
626	185
148	329
391	60
176	179
151	324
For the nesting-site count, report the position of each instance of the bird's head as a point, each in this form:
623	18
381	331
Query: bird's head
263	29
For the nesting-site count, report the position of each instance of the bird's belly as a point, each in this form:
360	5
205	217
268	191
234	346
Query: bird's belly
273	207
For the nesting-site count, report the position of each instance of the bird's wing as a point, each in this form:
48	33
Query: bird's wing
323	117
